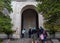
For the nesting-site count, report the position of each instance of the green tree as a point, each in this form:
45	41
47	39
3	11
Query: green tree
51	12
5	4
5	20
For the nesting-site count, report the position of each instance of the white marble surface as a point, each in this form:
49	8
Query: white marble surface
18	8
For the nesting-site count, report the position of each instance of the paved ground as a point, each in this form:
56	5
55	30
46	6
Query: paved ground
28	40
23	40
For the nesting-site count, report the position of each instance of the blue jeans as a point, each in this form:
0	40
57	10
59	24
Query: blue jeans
43	41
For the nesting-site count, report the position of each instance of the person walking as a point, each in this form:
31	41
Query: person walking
43	36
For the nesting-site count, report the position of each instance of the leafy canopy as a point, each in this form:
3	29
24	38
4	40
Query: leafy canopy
51	11
5	21
5	4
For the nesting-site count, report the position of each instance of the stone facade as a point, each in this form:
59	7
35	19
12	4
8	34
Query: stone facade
16	15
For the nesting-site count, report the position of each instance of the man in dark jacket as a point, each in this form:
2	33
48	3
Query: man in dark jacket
40	31
30	33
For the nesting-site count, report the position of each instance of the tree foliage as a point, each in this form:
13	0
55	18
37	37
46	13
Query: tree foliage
5	4
5	21
51	11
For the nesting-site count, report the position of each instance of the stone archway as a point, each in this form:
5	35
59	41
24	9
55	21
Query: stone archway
31	9
29	19
16	16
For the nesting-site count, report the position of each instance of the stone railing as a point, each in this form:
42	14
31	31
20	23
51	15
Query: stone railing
3	36
56	36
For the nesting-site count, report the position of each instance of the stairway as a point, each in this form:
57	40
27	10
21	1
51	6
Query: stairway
23	40
55	41
28	40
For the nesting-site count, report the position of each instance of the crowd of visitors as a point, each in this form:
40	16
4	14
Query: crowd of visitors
40	33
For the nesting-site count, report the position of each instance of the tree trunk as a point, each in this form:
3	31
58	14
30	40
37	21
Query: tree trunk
54	35
8	36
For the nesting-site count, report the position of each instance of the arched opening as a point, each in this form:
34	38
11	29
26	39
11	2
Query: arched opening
29	19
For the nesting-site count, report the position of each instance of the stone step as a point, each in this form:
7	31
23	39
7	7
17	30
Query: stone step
55	41
28	40
21	41
48	41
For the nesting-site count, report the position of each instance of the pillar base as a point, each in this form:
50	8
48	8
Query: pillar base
16	36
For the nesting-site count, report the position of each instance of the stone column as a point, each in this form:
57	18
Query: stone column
17	25
16	20
40	20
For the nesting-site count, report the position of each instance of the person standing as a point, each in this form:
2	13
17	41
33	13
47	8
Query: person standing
45	35
23	32
30	33
39	31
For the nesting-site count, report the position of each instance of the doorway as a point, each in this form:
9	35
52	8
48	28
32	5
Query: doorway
29	19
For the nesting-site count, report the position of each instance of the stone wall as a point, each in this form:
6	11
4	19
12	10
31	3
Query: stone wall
18	8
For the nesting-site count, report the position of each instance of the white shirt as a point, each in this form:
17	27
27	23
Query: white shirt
23	31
